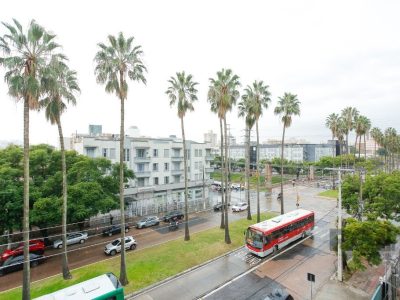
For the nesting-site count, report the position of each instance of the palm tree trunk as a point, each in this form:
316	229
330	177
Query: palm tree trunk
355	144
65	268
365	148
26	293
227	237
283	143
222	176
123	276
248	171
359	147
187	236
333	160
258	175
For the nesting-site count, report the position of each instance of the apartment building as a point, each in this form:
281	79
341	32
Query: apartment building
158	164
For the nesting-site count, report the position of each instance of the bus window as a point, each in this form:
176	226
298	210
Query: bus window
254	238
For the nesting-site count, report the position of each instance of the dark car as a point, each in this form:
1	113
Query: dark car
176	214
114	230
17	263
218	206
35	246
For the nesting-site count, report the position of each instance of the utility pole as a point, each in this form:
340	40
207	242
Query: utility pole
340	259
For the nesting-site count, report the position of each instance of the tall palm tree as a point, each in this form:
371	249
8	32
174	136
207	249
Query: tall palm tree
366	127
377	135
60	84
222	94
288	106
258	95
114	63
332	122
245	111
26	55
182	92
390	140
349	114
361	126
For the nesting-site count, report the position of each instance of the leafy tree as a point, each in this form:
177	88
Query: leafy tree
182	92
288	106
26	56
366	238
222	94
114	64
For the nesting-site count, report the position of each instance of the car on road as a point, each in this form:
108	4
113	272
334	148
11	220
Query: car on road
239	206
218	206
148	221
114	229
236	187
72	238
115	246
175	214
35	246
16	263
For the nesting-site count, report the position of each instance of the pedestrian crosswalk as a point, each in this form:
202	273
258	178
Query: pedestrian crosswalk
247	257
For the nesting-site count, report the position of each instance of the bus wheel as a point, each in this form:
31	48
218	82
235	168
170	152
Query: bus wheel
303	235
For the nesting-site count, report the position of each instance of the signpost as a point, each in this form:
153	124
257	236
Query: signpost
311	279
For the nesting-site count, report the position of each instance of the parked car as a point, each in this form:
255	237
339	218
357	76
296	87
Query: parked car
16	263
114	229
35	246
239	206
115	246
218	206
72	238
236	186
148	221
172	215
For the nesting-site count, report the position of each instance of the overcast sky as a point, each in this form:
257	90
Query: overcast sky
332	54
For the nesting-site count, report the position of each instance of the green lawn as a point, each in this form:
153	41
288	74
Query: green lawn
147	266
329	193
240	178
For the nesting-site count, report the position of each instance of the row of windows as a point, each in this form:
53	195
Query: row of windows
166	167
285	230
156	181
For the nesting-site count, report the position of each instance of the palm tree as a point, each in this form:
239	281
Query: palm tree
332	122
348	115
26	55
377	135
361	125
288	106
114	63
182	92
390	141
60	84
222	94
245	111
366	127
258	95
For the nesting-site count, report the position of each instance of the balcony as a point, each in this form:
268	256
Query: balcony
176	158
209	158
141	159
208	170
176	172
142	174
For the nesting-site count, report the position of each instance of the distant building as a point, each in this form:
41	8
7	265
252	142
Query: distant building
211	138
95	130
158	167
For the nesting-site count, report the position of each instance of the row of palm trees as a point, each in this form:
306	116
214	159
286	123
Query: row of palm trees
38	75
389	143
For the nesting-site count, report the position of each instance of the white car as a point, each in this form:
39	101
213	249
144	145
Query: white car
239	206
72	238
115	246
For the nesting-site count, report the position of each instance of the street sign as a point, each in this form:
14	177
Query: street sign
310	277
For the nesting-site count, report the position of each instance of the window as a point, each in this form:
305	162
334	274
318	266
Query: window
112	153
90	152
166	166
140	182
166	179
155	152
166	152
200	153
196	165
140	167
196	153
155	167
126	154
155	180
200	165
187	154
140	153
105	151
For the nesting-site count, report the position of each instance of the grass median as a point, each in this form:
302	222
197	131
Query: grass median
148	266
329	193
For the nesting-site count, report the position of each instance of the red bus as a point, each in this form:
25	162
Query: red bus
271	235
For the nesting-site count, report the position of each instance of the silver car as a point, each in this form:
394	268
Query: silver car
115	246
72	238
148	221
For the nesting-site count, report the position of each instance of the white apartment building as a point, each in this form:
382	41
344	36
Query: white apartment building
158	167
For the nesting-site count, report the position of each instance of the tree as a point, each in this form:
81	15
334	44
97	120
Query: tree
26	55
60	84
377	135
288	106
222	94
348	115
182	92
258	95
245	111
114	63
332	122
361	126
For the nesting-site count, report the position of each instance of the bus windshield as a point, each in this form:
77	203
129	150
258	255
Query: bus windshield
254	238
